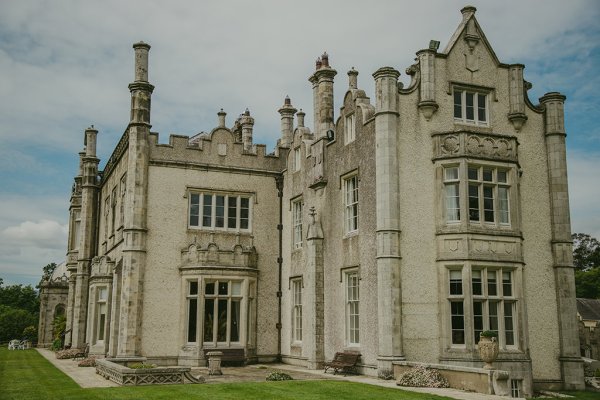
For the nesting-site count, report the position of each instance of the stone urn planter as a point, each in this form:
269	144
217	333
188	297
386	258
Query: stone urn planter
488	348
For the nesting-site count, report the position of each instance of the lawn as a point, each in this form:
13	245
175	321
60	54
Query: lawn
25	374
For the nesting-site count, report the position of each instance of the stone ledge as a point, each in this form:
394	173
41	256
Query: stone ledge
126	376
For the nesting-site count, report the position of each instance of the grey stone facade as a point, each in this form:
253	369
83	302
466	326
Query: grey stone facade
399	228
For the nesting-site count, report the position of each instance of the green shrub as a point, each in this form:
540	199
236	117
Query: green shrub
489	334
30	333
597	373
278	376
56	345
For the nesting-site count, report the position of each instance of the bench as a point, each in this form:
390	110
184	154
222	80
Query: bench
82	355
230	357
343	361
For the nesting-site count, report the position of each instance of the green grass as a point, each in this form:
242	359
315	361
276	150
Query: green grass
27	375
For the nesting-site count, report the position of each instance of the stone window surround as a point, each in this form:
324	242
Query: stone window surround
490	95
296	285
464	224
297	159
352	210
349	128
246	323
351	276
297	208
467	296
228	194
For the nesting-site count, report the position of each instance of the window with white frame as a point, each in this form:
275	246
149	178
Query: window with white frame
471	107
351	203
297	310
350	131
352	308
219	211
488	195
515	388
192	312
297	223
101	310
491	301
297	159
487	191
222	311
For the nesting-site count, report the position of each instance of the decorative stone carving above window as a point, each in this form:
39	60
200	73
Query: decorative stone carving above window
475	145
102	267
211	255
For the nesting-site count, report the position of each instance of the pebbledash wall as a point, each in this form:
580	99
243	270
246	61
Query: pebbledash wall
400	228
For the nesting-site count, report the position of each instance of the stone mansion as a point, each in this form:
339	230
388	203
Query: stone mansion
400	227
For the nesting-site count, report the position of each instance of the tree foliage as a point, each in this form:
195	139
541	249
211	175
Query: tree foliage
586	251
20	297
586	258
49	269
19	309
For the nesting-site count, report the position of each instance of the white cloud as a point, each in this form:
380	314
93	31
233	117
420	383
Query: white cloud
44	234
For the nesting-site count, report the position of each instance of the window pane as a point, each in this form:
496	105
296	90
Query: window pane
192	319
501	176
244	212
458	104
207	211
223	288
469	109
493	315
457	322
477	319
473	173
506	284
194	209
193	287
488	174
222	321
101	321
455	282
209	288
451	174
232	212
220	212
476	278
234	327
209	313
236	288
503	212
508	324
473	202
488	203
481	106
492	289
452	202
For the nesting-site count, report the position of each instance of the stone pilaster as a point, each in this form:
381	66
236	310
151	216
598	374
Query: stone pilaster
135	228
516	90
571	364
87	238
322	81
287	112
388	219
314	294
427	103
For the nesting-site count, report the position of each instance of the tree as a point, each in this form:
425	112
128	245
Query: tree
20	297
13	322
587	283
586	251
49	269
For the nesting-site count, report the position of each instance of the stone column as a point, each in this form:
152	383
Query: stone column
87	239
314	295
322	81
287	112
135	230
562	245
427	105
516	90
389	310
247	123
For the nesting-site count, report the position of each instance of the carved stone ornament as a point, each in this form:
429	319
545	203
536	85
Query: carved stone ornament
488	350
518	120
428	108
469	144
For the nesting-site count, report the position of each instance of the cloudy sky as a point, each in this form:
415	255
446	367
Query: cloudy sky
65	65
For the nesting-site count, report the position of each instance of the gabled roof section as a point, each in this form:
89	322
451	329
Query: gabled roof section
589	309
472	30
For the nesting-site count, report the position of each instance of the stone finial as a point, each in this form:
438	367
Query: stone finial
301	115
318	63
287	112
247	122
353	78
325	59
141	61
221	115
90	141
467	11
287	101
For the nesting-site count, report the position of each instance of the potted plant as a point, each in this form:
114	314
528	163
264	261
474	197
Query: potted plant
488	348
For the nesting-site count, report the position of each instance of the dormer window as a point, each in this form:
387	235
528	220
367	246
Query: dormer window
471	107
